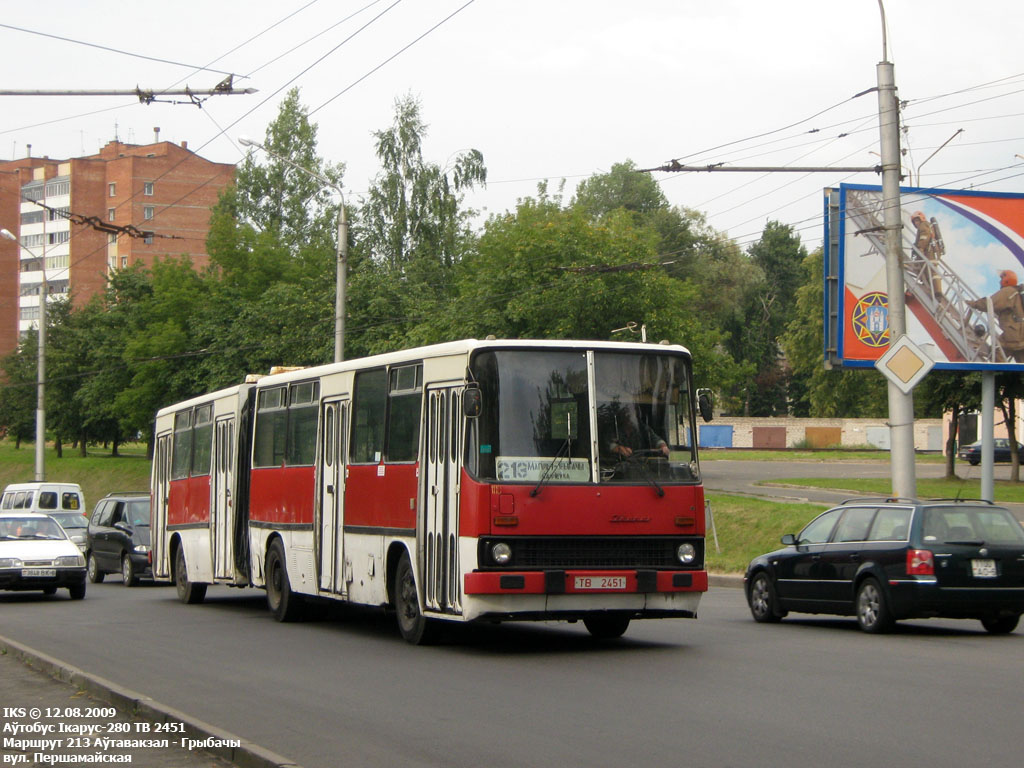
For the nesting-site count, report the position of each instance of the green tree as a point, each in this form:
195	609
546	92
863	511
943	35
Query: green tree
952	392
18	390
409	235
828	393
768	310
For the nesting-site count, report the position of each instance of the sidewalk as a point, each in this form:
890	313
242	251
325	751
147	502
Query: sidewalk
53	713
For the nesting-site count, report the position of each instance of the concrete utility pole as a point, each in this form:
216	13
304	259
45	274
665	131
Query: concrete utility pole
901	406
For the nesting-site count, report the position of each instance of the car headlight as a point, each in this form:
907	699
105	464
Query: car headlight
69	561
142	548
10	562
501	553
686	553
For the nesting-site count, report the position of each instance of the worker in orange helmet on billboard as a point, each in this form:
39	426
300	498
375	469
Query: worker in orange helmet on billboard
1008	306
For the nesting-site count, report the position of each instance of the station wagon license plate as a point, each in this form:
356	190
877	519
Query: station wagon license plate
983	569
38	573
600	582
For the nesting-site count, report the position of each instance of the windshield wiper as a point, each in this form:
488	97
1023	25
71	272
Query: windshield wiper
562	451
647	473
565	449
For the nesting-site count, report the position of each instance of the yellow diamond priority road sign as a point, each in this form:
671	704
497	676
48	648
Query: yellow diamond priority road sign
905	364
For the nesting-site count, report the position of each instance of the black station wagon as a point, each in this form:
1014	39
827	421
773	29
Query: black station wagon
893	559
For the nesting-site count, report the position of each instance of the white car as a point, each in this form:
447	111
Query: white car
36	553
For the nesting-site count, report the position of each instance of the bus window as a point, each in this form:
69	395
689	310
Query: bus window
302	413
370	403
271	423
202	440
406	396
182	445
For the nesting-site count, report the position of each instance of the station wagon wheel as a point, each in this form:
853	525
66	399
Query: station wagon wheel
764	606
1000	625
873	614
414	626
128	571
77	592
188	592
93	569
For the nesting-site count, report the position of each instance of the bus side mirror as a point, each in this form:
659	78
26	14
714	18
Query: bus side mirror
472	402
706	404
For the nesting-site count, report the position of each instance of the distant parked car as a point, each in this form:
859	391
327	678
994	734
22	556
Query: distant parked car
36	553
896	559
1000	451
76	525
118	538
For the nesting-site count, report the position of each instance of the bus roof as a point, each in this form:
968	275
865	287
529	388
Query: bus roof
464	346
209	397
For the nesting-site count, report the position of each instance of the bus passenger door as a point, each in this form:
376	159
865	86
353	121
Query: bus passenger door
222	515
331	509
161	490
442	582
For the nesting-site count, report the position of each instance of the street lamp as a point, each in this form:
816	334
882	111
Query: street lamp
342	249
41	372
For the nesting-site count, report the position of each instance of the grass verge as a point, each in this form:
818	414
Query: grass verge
749	527
927	488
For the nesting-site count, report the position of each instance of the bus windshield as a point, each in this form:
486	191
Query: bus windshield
577	416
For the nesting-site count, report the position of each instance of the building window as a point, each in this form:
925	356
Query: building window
147	238
112	186
58	214
147	188
56	238
30	313
124	262
57	262
112	238
32	217
33	192
56	188
110	213
148	211
32	241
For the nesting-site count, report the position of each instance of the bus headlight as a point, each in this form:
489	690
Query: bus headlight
501	553
686	553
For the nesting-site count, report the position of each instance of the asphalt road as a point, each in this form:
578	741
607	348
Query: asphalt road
718	691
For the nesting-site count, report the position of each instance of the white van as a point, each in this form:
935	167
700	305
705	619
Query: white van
44	497
63	502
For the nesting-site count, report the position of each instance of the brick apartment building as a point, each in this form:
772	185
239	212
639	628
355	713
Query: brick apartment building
153	201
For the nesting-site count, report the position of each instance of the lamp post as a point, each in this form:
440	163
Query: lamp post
901	406
341	251
41	370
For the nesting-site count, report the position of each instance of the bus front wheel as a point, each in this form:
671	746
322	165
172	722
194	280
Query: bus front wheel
606	626
414	626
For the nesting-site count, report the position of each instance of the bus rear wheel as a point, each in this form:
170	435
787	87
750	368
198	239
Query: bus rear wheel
284	604
414	626
189	592
606	626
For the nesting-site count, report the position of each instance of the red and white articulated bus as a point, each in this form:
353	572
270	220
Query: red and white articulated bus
468	481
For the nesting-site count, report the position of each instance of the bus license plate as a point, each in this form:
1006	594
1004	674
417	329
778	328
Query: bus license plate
983	569
600	582
38	573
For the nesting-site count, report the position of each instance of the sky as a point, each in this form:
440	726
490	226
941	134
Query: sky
547	89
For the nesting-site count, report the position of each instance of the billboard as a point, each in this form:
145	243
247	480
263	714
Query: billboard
963	277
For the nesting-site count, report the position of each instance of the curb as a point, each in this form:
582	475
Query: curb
732	580
246	755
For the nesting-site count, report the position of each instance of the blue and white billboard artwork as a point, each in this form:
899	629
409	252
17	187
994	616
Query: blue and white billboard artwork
963	277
